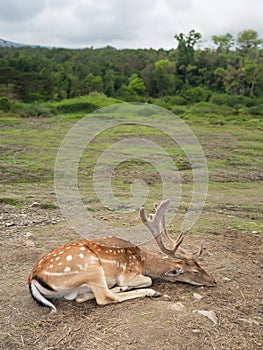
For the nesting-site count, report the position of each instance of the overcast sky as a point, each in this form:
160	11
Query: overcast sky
124	23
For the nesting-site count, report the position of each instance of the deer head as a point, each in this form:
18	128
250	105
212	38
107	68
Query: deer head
183	267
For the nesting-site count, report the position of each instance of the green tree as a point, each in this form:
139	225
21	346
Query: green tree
224	42
185	54
134	91
248	40
94	83
137	85
164	77
109	83
186	44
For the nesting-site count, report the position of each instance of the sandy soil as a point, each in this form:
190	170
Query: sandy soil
233	256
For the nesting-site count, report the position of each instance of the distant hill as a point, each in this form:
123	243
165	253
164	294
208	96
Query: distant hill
6	43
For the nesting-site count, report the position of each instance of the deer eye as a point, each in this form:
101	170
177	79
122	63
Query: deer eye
196	272
174	272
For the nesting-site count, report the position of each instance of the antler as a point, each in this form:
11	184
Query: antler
156	224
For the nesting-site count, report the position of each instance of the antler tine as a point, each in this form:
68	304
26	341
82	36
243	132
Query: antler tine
153	224
164	231
199	252
157	226
180	252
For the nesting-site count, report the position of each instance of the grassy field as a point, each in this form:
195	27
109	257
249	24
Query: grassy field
231	225
233	150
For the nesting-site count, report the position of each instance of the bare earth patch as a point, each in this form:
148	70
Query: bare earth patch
178	322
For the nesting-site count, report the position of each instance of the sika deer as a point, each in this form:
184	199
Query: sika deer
108	268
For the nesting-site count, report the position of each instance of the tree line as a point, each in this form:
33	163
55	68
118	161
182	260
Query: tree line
232	66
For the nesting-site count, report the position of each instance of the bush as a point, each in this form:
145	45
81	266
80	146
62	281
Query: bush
205	108
256	110
74	107
146	111
175	100
198	94
33	97
178	110
5	104
234	101
35	110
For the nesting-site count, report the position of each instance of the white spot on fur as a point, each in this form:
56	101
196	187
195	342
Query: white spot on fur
69	257
60	263
57	258
51	266
68	247
67	269
81	255
82	248
61	252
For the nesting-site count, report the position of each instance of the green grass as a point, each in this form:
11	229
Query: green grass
233	150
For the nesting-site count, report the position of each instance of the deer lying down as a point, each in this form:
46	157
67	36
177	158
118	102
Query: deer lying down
108	269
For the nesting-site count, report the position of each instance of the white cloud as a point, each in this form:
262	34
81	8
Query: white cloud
123	23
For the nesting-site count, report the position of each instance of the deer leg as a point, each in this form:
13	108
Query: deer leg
138	281
89	295
84	297
105	296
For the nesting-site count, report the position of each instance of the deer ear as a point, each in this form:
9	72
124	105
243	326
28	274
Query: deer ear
174	272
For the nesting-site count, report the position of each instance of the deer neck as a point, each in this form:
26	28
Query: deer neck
155	265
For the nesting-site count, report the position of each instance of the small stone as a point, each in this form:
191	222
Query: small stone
211	315
179	307
226	279
9	224
197	296
27	234
196	330
34	205
29	243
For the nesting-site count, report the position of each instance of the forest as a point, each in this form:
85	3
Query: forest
188	73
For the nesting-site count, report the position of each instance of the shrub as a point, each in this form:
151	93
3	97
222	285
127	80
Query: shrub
198	94
256	110
234	101
146	111
178	110
74	107
33	97
5	104
34	110
205	108
175	100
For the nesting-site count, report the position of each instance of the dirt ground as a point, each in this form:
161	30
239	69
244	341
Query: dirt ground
234	257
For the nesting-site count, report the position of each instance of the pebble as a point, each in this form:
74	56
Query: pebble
197	296
179	307
211	315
